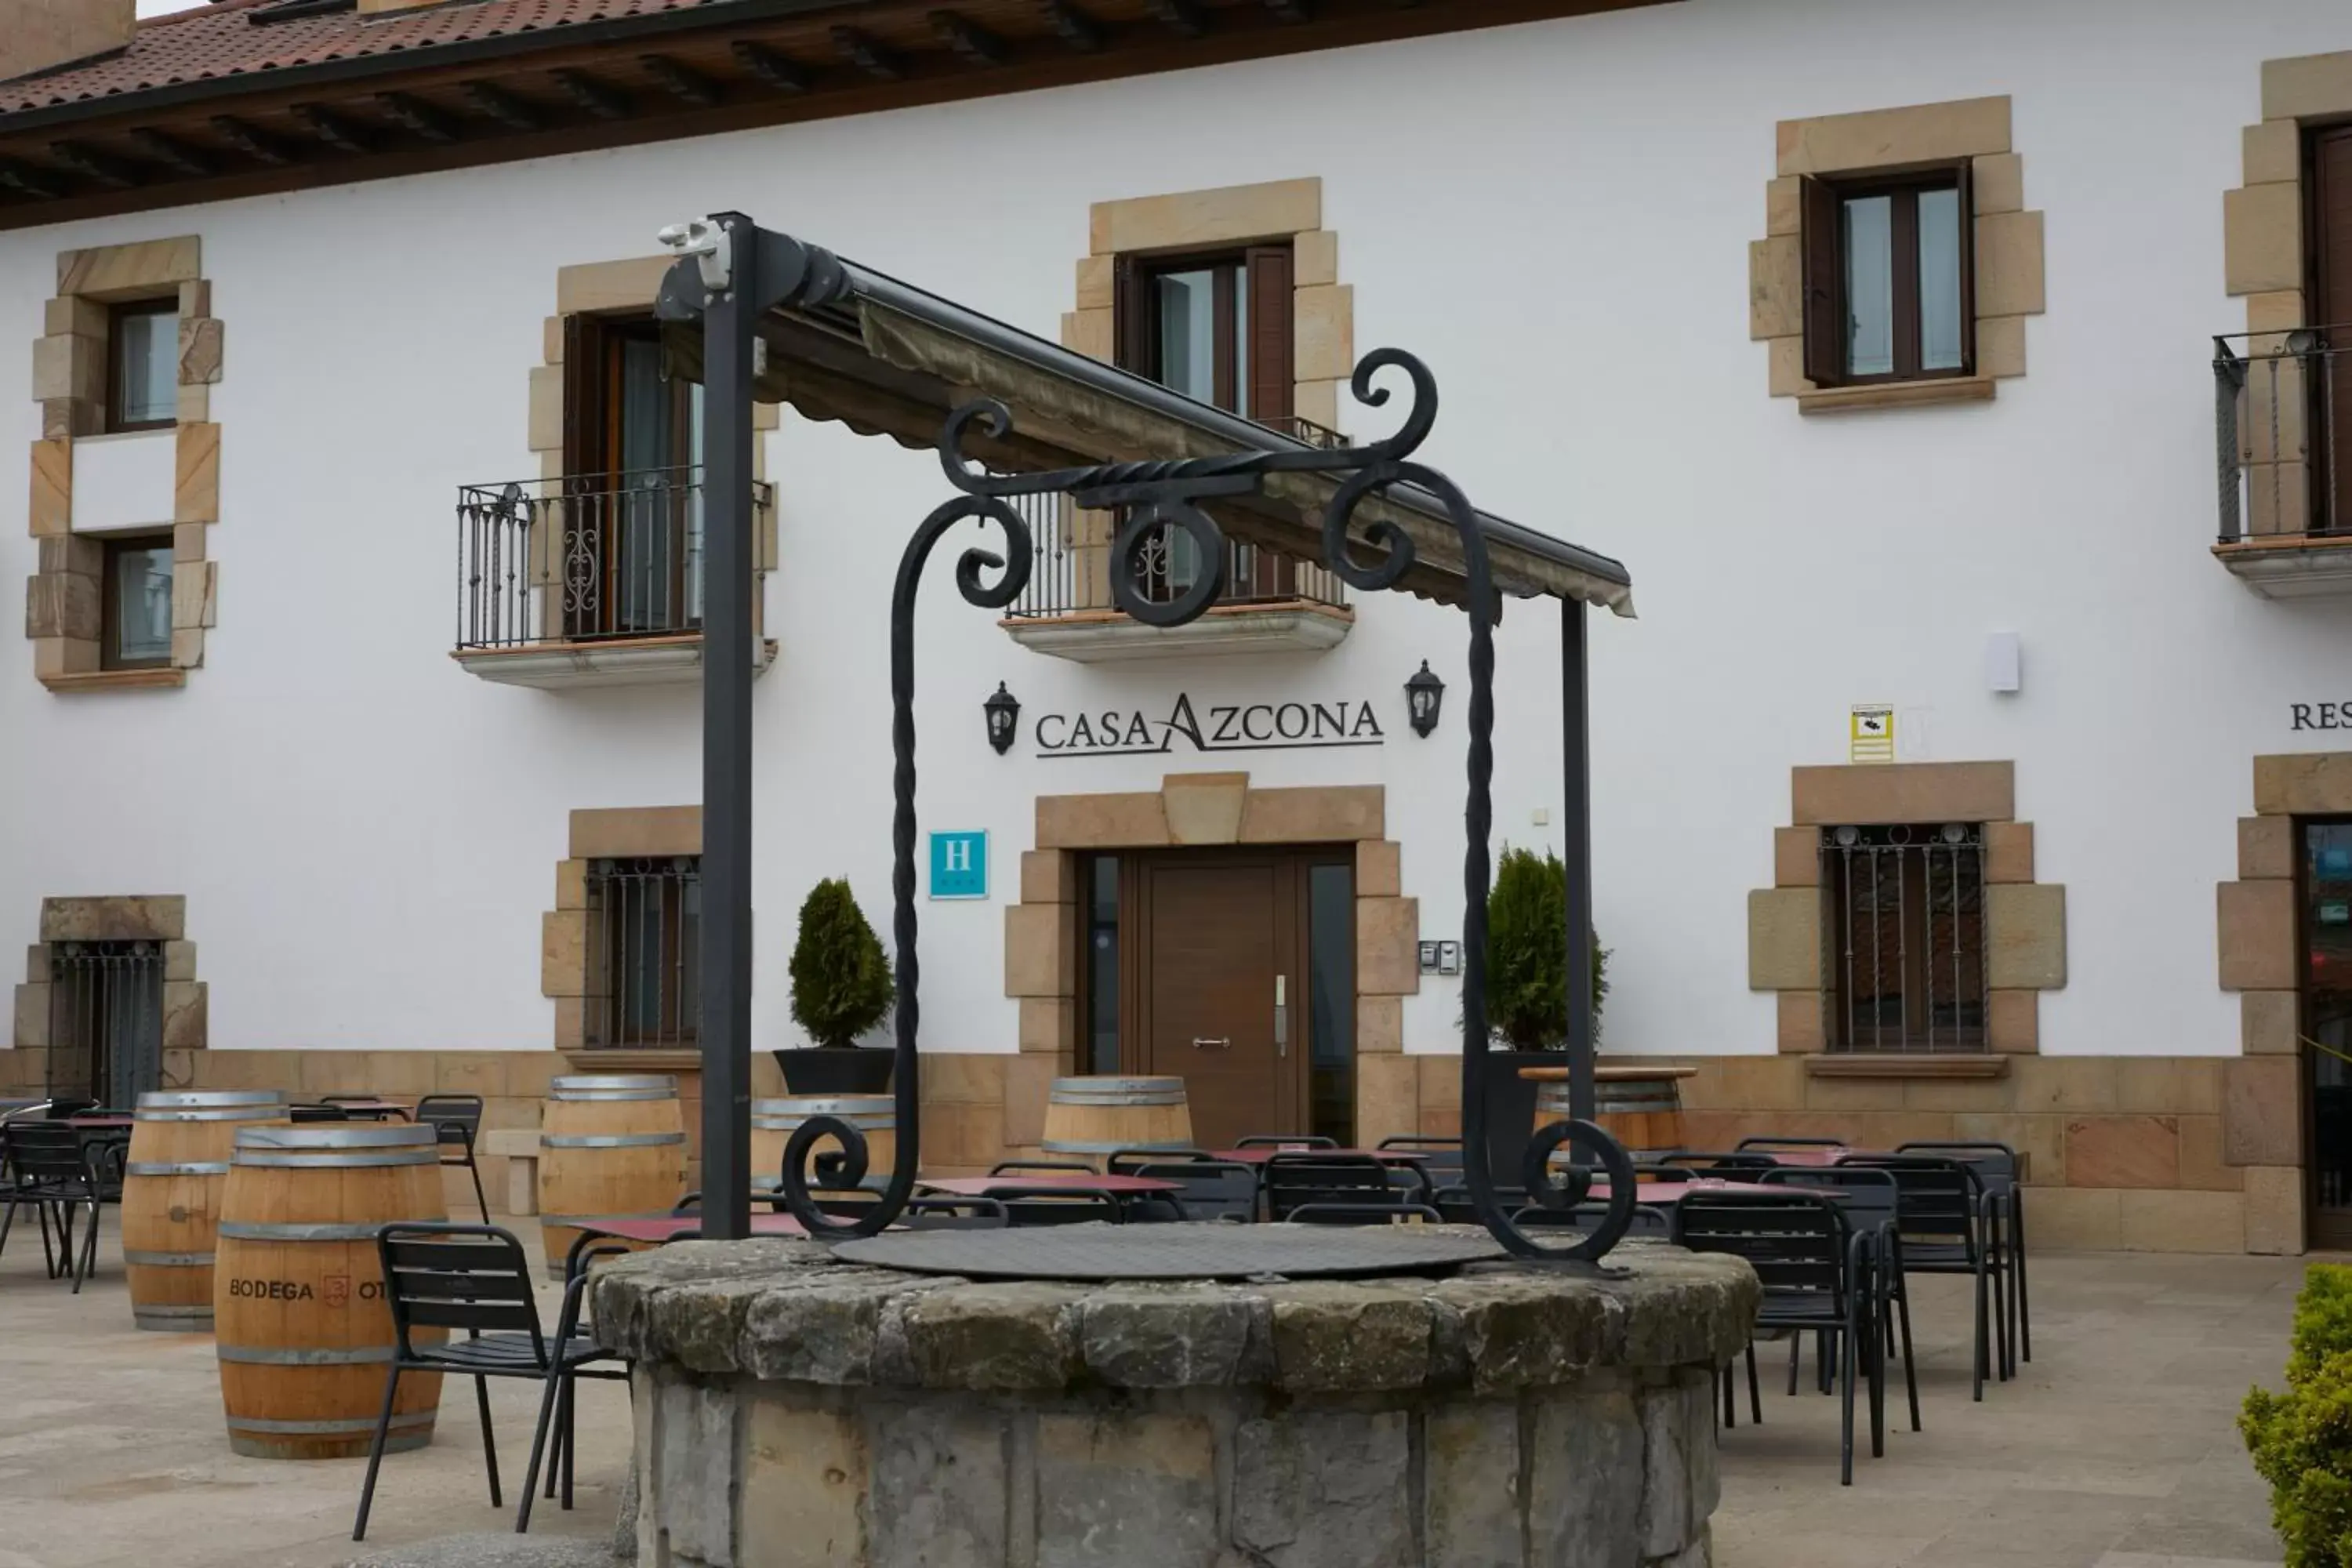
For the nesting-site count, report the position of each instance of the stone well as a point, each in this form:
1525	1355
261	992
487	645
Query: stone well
795	1409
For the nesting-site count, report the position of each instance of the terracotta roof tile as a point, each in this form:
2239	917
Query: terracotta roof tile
221	41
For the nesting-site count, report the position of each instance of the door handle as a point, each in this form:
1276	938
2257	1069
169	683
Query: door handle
1282	1015
1220	1041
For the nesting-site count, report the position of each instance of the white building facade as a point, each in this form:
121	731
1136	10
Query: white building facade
362	853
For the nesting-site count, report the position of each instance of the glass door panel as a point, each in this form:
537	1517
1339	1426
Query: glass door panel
2327	865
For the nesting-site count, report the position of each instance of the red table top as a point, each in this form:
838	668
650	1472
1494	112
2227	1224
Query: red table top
1656	1192
670	1227
1260	1154
1014	1181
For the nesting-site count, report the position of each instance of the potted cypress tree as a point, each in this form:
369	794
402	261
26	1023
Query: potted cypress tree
1527	994
842	989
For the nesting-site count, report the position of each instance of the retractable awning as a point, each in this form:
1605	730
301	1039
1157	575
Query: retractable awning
883	357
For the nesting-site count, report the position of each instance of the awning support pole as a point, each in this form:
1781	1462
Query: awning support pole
1576	833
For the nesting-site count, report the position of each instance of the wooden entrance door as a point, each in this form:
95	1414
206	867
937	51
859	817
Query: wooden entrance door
1220	936
2326	881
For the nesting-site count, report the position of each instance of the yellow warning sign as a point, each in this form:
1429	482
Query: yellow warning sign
1870	733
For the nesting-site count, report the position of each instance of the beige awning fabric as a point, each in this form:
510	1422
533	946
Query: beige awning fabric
889	360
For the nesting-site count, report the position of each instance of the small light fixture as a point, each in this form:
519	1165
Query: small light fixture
1424	694
1003	711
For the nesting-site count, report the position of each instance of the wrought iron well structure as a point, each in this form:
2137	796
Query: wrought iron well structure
729	273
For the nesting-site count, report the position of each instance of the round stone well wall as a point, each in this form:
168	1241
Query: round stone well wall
795	1410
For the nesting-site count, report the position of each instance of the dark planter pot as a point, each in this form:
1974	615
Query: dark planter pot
1511	1110
821	1070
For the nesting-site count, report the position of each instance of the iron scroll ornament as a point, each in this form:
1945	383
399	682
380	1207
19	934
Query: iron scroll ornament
1160	494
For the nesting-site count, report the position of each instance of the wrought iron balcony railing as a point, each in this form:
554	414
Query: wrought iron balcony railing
584	558
2283	410
1071	564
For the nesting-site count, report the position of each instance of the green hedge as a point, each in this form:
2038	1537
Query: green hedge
2302	1439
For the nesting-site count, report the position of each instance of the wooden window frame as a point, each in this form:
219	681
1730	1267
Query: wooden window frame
109	591
594	360
160	305
1822	250
1257	278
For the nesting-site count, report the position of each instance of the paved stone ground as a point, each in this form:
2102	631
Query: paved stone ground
2118	1447
2116	1450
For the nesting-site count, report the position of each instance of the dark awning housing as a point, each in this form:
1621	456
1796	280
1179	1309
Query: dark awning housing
883	357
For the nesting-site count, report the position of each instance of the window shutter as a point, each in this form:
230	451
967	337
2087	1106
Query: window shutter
1968	203
584	394
1130	324
1270	349
1822	280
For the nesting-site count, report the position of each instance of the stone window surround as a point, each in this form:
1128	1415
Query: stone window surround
1041	934
2263	256
2258	954
1323	314
2007	240
153	917
63	602
565	962
624	287
2024	920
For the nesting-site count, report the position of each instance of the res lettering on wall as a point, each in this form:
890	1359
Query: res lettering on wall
2319	715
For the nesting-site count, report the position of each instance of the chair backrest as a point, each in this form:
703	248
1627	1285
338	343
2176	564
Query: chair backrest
454	1117
1717	1163
1130	1161
301	1113
1205	1189
1648	1222
954	1214
1013	1167
1770	1142
50	1153
1057	1206
1363	1214
1440	1158
1870	1199
1996	1164
472	1276
1286	1141
1796	1242
1292	1179
1936	1198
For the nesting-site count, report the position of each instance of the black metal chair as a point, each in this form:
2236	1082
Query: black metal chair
1718	1163
1206	1189
1015	1167
2003	1175
1286	1141
1040	1205
1766	1141
55	1170
457	1122
479	1279
1940	1228
1811	1266
1440	1158
1128	1162
1871	1203
1454	1201
1363	1214
1650	1224
1291	1179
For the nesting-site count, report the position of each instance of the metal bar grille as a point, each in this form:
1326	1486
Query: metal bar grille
106	1022
2276	408
644	940
1904	965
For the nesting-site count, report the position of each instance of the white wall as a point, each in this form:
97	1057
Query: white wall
1556	216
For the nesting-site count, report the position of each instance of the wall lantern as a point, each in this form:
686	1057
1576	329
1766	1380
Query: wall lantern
1003	711
1424	694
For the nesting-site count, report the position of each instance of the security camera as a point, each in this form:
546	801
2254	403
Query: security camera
708	243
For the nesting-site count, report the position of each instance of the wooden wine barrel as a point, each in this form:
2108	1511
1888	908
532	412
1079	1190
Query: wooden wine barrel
610	1145
774	1122
1643	1109
178	1163
303	1333
1095	1116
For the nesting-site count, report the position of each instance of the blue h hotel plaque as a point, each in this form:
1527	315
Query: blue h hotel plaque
960	865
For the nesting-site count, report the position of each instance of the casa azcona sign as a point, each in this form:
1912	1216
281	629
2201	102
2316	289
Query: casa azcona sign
1208	727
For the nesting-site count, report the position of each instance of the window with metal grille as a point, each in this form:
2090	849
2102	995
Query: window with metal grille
645	936
106	1020
1903	965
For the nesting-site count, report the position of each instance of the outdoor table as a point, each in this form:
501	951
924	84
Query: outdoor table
667	1228
988	1187
1258	1154
1658	1193
99	1123
373	1109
